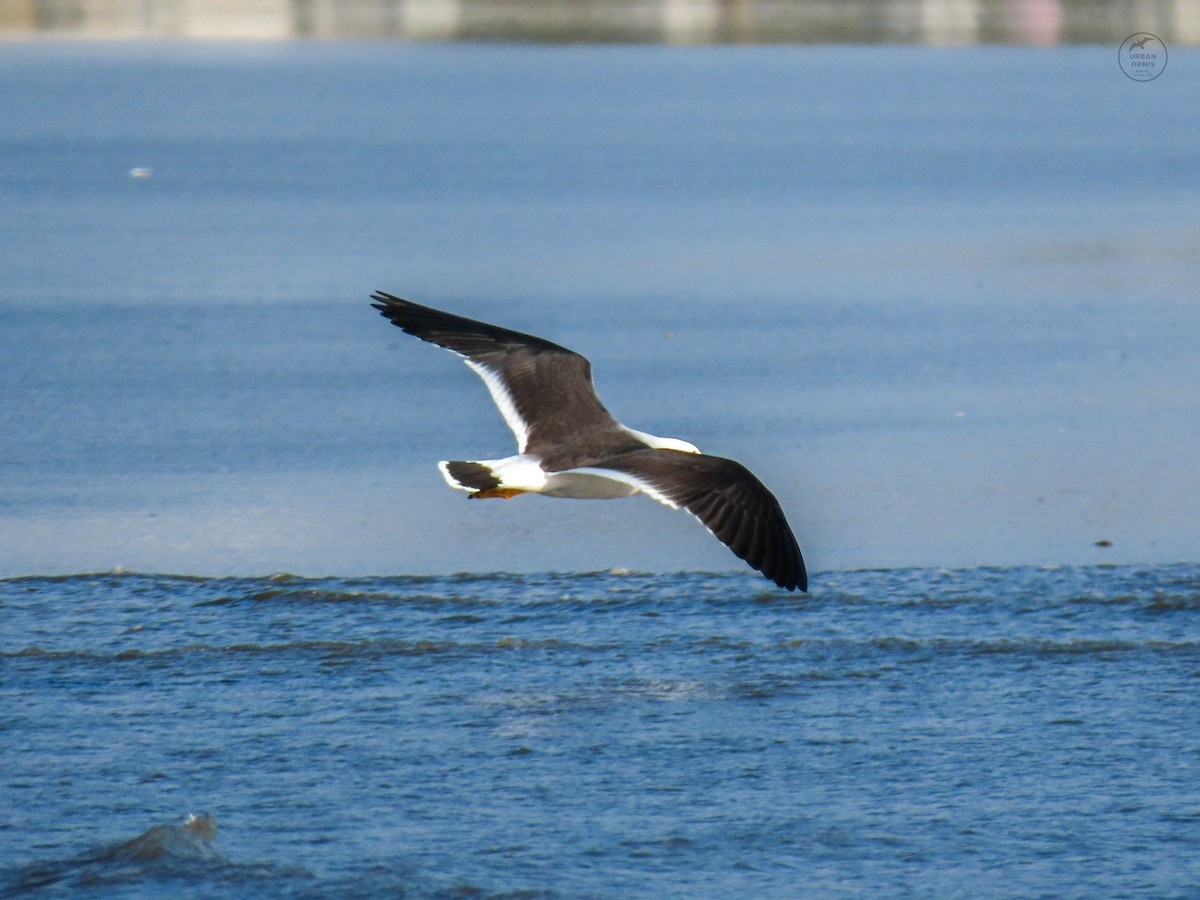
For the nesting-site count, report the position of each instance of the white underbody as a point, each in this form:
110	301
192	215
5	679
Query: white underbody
524	472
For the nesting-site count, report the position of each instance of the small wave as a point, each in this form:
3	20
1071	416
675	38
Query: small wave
1158	601
325	648
303	595
1167	603
162	861
1044	647
941	646
159	850
192	839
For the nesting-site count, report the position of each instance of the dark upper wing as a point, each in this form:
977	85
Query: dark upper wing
543	390
724	495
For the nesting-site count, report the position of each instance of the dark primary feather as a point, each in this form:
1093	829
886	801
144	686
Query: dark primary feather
733	504
458	333
551	386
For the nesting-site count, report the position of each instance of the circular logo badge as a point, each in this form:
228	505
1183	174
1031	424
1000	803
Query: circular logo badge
1142	56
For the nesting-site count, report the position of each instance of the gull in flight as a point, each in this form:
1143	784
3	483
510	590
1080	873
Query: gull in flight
569	446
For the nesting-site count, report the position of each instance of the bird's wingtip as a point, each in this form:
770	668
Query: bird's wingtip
386	303
795	581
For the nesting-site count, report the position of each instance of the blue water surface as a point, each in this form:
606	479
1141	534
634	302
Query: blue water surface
984	732
943	301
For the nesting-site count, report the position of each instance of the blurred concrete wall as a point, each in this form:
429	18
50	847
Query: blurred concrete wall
672	21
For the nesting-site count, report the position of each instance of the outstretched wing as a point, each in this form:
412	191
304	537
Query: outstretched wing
544	391
726	497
